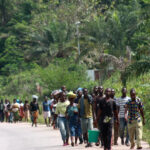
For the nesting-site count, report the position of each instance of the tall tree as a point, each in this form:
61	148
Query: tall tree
6	9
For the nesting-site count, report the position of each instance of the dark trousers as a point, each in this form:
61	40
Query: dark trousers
1	116
116	132
106	133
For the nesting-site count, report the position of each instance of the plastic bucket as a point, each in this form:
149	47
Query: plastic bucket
93	136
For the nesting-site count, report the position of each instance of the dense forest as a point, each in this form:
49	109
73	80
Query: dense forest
38	35
38	31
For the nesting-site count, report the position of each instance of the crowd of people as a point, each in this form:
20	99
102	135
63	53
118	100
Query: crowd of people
75	113
14	112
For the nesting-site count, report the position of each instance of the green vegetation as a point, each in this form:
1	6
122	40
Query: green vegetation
39	31
36	34
60	72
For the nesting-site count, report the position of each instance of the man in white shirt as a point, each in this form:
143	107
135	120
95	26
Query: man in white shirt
123	123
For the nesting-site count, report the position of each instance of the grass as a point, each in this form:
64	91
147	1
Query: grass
146	134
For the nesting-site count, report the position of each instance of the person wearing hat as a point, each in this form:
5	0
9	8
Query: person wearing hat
73	119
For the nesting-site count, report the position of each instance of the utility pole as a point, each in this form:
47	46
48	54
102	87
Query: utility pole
78	36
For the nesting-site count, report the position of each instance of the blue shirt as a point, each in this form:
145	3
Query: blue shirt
46	106
73	117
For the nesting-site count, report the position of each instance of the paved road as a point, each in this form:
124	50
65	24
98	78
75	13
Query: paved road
22	136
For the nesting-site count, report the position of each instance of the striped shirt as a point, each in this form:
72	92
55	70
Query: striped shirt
121	103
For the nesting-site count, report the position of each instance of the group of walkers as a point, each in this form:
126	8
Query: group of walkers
78	112
75	113
13	112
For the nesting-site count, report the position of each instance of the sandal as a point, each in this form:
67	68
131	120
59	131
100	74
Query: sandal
139	147
97	144
72	144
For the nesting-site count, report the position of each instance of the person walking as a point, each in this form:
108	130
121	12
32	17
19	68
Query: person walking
73	119
11	114
97	100
15	110
95	92
46	111
26	111
115	133
55	95
64	89
34	111
62	120
6	113
107	109
21	111
134	107
76	102
123	123
1	111
86	113
79	95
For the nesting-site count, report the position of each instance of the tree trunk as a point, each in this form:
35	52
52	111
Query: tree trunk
3	12
128	53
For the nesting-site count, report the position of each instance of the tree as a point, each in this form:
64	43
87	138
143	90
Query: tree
54	40
141	46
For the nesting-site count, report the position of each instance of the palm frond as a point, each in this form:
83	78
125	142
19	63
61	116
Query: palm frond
118	63
136	69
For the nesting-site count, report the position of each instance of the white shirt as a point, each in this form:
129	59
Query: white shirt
5	107
121	104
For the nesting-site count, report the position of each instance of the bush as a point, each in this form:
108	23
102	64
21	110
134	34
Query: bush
64	72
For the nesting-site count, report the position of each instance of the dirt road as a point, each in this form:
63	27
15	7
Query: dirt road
22	136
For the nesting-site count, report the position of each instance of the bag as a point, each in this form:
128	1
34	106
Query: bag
107	119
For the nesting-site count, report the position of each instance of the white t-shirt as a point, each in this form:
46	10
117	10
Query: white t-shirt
50	101
5	107
121	103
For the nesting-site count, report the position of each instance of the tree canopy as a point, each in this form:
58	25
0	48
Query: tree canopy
40	31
